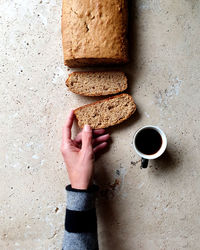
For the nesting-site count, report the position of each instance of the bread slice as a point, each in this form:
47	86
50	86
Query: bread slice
97	83
107	112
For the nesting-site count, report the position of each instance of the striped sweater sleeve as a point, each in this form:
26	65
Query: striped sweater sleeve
80	220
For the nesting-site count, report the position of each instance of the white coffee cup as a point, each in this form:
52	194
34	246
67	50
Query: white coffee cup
141	146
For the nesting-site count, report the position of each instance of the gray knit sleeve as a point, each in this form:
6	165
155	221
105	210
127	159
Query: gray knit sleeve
80	220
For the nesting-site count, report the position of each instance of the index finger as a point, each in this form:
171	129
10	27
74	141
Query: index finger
99	131
96	132
67	128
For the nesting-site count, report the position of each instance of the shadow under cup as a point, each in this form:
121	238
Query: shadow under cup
149	143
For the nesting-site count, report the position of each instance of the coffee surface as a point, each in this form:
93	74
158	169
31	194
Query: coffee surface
148	141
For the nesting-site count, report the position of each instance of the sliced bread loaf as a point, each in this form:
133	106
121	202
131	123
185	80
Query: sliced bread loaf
94	32
97	83
107	112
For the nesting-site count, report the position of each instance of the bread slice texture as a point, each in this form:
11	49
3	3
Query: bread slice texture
107	112
97	83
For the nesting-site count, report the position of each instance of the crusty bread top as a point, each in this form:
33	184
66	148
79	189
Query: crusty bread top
94	31
107	112
97	83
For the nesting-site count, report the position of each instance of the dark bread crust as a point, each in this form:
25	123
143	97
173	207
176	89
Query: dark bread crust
85	62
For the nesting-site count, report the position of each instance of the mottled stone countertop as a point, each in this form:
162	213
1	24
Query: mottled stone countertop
152	209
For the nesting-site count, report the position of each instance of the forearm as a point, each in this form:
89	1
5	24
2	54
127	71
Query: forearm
80	221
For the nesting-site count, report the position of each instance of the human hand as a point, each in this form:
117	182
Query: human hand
79	153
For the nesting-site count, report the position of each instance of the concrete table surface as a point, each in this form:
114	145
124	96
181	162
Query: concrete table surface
152	209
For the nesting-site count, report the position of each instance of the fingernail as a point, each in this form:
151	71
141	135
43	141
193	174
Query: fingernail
87	128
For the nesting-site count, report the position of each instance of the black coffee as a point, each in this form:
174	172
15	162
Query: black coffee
148	141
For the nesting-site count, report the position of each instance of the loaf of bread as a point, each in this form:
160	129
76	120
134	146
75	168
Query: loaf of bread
97	83
107	112
94	32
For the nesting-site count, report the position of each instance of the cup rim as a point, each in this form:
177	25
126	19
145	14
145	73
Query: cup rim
162	148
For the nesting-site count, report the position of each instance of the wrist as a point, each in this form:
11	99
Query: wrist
80	187
83	186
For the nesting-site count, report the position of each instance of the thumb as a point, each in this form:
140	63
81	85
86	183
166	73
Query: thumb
86	137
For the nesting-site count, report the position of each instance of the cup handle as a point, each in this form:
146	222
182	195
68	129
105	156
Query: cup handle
144	163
